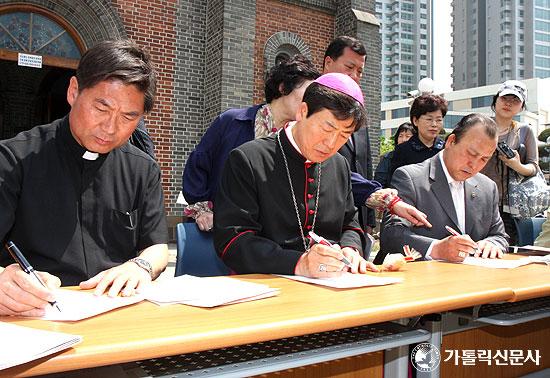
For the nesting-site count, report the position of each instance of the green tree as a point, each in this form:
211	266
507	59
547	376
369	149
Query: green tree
386	145
544	134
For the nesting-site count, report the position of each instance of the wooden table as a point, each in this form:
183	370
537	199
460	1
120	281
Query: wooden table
145	331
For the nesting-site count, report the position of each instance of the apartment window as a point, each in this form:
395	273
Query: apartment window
542	3
542	26
521	74
422	6
422	26
423	37
541	37
542	50
406	79
407	7
520	60
423	16
520	37
423	67
542	62
407	16
406	56
542	13
423	47
422	57
542	74
482	101
407	68
521	24
400	113
407	28
406	36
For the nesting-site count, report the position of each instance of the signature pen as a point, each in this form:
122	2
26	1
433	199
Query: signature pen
321	240
454	232
27	268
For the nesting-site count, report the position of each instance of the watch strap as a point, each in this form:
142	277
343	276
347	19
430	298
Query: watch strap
143	264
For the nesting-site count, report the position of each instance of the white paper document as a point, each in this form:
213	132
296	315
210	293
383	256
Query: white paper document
77	305
506	264
188	290
348	280
206	291
23	344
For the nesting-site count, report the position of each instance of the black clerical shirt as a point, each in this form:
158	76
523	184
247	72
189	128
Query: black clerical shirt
74	217
256	229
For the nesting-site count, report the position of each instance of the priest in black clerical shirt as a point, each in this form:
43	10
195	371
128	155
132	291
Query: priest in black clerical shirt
274	191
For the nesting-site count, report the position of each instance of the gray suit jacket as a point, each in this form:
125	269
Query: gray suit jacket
425	186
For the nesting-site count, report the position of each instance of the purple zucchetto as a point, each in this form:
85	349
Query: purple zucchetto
341	83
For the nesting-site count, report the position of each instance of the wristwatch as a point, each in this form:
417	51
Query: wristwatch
143	264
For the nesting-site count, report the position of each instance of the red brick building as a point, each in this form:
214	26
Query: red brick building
211	55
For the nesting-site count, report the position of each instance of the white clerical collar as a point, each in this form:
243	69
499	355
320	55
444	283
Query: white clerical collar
288	131
450	178
90	155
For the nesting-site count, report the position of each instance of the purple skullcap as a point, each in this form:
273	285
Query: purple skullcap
342	83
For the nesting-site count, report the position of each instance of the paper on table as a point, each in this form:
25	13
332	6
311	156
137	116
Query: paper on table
77	305
206	291
23	344
505	264
348	280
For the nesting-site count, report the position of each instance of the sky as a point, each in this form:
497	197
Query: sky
442	45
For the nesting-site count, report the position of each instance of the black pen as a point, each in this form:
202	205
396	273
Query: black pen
24	264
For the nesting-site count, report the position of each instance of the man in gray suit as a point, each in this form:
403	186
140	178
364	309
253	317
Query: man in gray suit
449	188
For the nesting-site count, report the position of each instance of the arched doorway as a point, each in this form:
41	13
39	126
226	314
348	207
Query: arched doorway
31	96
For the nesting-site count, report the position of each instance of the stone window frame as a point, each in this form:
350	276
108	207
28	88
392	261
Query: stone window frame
284	42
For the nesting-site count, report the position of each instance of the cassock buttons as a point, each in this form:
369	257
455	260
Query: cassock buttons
309	196
312	212
308	227
311	179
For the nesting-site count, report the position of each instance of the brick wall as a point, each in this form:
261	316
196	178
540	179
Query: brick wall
315	27
152	25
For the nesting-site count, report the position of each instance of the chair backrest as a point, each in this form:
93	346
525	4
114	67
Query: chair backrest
528	229
196	253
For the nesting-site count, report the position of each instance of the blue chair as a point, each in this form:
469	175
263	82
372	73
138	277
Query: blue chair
528	229
196	253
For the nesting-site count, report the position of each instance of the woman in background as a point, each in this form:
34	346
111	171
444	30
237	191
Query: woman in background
404	132
427	113
284	88
507	103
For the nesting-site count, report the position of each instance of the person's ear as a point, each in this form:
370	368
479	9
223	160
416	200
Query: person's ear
327	63
301	113
451	140
72	91
414	120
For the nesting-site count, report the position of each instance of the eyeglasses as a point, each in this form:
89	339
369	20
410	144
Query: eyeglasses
438	121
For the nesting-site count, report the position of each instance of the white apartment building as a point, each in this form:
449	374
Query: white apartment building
407	38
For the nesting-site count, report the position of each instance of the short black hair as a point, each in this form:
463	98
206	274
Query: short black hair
469	121
342	106
336	48
427	103
291	74
405	126
120	60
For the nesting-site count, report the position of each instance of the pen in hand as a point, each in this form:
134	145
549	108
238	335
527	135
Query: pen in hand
27	268
320	240
454	232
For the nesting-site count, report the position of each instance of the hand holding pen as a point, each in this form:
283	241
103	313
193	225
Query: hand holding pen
23	291
465	242
357	263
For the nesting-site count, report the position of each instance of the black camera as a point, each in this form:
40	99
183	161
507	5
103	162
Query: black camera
504	149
